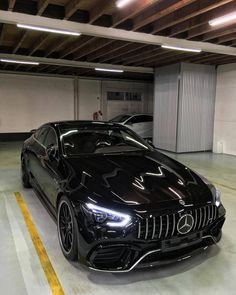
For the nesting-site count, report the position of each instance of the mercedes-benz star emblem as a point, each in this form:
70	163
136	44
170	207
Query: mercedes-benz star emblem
185	224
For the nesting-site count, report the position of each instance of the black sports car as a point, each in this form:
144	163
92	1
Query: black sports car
118	202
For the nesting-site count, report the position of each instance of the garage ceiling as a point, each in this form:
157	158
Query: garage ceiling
185	20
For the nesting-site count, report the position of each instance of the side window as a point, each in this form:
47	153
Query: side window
51	138
136	119
147	118
40	134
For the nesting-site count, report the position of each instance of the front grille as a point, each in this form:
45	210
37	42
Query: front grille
165	226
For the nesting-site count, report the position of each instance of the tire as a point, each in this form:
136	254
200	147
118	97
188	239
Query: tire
67	229
25	175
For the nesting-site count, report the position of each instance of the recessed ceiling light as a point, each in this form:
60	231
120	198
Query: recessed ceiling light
109	70
19	62
44	29
122	3
181	48
223	19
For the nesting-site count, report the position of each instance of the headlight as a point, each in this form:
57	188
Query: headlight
215	192
112	218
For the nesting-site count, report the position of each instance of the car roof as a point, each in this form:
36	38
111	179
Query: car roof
80	123
136	114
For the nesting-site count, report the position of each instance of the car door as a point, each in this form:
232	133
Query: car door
50	166
35	154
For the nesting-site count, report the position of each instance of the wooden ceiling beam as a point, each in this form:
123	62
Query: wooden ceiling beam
111	33
206	17
152	53
11	4
219	33
175	59
109	48
205	28
226	38
219	59
129	51
92	47
36	46
82	42
19	42
39	42
42	5
61	41
162	10
135	53
132	10
71	7
224	61
75	64
203	58
117	48
99	9
188	12
163	56
202	19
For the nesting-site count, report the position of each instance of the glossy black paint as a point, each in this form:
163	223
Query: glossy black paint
141	184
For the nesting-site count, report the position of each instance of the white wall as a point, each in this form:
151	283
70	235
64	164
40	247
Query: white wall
225	110
26	102
89	97
145	88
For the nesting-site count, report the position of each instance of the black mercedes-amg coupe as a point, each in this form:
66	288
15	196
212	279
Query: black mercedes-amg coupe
118	202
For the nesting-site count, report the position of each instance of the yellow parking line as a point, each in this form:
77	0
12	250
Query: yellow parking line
48	269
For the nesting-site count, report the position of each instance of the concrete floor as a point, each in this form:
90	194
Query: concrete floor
212	272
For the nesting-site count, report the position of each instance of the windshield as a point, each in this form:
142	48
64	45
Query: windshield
120	118
99	140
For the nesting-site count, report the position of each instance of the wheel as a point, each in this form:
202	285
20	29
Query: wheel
24	174
67	229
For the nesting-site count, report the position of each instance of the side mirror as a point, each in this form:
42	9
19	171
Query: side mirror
32	130
129	124
51	151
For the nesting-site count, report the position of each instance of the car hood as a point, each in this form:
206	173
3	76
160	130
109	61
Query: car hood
138	178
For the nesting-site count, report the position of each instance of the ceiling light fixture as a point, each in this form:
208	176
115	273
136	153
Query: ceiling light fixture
20	62
109	70
122	3
44	29
181	48
223	19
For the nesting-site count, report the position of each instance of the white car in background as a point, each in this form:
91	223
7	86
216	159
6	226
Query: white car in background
142	124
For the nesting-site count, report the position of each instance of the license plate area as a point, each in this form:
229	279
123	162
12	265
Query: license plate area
181	242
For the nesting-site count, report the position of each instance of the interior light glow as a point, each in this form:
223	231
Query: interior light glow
122	3
223	19
20	62
181	48
45	29
109	70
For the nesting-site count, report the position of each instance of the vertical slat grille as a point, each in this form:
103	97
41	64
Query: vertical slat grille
165	226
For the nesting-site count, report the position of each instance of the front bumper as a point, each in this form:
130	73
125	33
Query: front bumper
124	256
